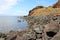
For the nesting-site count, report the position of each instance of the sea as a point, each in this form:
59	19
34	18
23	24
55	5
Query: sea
8	23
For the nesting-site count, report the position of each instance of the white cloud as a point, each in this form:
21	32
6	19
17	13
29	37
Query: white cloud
7	4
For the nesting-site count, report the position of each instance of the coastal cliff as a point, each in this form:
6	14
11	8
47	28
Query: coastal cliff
40	10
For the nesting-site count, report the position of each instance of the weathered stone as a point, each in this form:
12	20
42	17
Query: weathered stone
38	39
41	29
52	26
2	38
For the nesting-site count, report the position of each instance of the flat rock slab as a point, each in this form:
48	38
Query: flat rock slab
1	38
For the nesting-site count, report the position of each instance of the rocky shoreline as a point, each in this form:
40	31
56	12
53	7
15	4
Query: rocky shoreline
39	28
43	24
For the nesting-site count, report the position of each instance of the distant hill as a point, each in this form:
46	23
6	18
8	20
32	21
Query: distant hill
40	10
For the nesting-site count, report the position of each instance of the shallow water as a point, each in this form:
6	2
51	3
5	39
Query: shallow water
8	23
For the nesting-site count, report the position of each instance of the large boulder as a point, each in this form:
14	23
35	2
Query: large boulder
52	26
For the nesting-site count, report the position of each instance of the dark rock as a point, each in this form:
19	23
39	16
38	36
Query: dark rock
56	37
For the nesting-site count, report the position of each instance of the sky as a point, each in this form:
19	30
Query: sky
21	7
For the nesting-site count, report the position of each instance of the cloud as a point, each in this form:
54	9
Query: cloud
7	4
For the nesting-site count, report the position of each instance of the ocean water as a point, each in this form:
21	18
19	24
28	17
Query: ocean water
8	23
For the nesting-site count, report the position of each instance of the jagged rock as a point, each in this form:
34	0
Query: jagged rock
43	28
51	26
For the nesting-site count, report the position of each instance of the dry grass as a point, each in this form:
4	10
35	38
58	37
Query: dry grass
45	11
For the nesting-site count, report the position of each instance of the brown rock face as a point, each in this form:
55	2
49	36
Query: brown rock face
57	5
